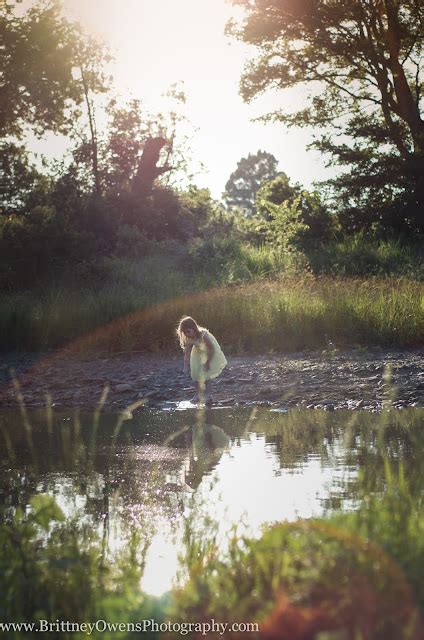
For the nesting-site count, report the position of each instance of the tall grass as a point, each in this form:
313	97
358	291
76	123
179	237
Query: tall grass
288	314
66	576
360	256
254	299
358	576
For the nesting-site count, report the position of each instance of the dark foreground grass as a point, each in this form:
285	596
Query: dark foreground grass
288	314
350	576
356	576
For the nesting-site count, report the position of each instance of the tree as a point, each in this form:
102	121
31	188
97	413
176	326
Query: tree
90	58
277	191
41	52
129	126
244	182
105	162
148	169
361	60
287	215
135	147
22	185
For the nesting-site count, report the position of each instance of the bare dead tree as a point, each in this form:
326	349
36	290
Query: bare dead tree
148	170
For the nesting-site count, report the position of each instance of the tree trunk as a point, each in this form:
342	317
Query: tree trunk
92	123
148	170
408	108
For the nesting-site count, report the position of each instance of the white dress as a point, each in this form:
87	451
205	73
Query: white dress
199	355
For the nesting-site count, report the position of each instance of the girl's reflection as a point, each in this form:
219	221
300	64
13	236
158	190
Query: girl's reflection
208	443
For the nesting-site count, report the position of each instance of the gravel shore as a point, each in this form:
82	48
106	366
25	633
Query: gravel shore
355	379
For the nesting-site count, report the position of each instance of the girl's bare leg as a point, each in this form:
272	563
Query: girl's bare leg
207	392
201	392
196	398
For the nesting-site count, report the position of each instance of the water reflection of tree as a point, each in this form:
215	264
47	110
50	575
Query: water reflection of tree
103	477
296	435
355	441
394	437
157	458
74	459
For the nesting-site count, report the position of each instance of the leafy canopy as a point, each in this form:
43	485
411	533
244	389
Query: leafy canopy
244	182
288	216
361	60
42	53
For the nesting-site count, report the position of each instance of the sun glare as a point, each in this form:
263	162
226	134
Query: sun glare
157	43
160	42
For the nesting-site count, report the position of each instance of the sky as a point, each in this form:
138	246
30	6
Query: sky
156	43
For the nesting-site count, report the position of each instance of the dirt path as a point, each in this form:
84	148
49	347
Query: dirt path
350	379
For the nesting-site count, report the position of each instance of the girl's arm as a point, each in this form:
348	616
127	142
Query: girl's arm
187	352
210	349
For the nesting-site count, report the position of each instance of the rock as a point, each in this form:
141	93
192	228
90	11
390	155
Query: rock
155	394
121	388
59	384
265	394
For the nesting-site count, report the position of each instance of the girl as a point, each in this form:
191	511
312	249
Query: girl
202	351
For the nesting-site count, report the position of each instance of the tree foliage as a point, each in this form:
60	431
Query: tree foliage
244	182
42	51
22	185
120	145
362	62
289	216
85	207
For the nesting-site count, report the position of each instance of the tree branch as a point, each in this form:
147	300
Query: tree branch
408	110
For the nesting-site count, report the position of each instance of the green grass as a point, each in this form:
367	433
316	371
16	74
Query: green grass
253	299
348	575
359	574
359	256
288	314
68	577
355	575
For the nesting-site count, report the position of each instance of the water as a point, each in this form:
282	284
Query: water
164	471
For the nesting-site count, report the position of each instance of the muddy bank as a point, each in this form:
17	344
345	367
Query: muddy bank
349	380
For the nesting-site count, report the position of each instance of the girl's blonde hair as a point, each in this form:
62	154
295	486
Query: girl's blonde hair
187	322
